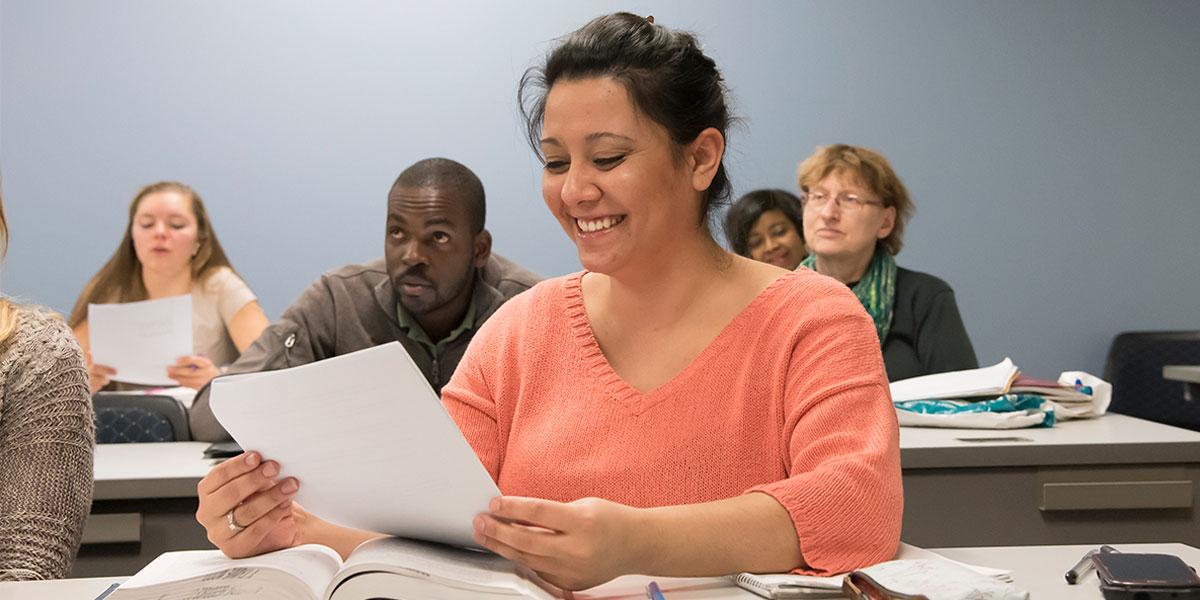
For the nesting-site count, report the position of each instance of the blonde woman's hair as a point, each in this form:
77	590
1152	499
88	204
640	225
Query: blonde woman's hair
120	279
873	171
8	310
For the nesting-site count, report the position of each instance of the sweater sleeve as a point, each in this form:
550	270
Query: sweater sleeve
842	444
47	438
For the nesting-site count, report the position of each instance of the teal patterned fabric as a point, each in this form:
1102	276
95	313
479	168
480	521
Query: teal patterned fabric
1032	403
876	290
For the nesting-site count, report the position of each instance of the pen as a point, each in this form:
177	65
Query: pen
1085	564
653	592
105	593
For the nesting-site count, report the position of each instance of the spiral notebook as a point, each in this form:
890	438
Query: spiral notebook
787	585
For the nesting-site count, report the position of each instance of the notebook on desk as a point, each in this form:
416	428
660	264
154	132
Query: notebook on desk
788	585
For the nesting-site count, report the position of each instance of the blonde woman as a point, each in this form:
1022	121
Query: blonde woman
855	210
46	441
170	249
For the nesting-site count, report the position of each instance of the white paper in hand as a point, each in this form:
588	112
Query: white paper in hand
141	339
368	439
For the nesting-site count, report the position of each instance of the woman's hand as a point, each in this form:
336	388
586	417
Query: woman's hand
262	507
573	546
193	371
98	375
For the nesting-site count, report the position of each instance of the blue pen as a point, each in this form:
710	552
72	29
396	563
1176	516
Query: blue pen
653	592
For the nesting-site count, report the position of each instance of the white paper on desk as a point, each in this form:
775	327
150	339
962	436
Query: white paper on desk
141	339
987	381
367	438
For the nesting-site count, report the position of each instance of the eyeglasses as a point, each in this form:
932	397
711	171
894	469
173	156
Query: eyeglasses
846	202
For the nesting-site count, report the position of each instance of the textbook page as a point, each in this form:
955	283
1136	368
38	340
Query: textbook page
368	439
987	381
441	566
210	574
141	339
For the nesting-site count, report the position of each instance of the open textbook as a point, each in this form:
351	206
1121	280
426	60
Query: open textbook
368	439
389	568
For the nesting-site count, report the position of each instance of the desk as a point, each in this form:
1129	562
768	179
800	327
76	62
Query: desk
1115	479
1189	375
144	504
1037	569
1023	487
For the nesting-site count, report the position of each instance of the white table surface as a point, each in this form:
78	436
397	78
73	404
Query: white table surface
171	470
164	470
1111	439
1037	569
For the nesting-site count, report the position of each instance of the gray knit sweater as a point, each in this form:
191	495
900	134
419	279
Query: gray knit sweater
47	438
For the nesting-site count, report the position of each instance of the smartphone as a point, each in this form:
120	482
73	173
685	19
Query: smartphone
1126	569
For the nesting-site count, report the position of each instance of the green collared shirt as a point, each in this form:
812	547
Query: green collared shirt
417	334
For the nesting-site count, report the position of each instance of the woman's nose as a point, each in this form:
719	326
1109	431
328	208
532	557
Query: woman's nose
578	187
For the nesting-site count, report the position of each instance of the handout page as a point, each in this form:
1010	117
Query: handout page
141	339
987	381
368	439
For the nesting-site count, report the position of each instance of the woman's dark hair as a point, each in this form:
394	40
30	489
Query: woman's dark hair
667	76
745	213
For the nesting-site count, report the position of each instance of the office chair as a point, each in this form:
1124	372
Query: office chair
133	418
1134	368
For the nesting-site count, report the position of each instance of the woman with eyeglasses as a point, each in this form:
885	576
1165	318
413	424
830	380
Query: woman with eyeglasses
855	209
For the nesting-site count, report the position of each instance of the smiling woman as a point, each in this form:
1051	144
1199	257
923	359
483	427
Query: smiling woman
171	249
619	409
766	225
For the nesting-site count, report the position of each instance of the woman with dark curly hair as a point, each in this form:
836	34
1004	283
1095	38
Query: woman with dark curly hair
766	225
673	409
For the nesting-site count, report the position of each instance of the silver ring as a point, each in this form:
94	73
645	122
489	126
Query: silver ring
233	524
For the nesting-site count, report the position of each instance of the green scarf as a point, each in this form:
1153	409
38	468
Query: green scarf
876	290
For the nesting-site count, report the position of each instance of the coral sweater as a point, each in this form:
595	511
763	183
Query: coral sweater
790	399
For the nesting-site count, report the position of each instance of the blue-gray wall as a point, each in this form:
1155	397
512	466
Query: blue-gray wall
1051	146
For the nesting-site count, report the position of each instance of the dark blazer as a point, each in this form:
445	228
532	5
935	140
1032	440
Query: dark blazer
927	334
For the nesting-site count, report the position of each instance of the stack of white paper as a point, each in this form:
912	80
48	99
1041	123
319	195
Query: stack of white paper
368	439
987	381
141	339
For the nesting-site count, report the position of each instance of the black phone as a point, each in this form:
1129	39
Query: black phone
1133	576
222	450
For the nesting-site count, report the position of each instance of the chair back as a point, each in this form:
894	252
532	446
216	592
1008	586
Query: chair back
1135	370
134	418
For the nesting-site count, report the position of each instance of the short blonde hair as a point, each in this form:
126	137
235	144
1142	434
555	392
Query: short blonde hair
873	171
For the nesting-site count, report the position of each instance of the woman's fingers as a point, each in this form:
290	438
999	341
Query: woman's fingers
240	489
518	555
246	542
531	541
262	503
548	514
228	471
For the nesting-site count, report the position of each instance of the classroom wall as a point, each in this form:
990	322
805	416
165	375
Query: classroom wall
1049	145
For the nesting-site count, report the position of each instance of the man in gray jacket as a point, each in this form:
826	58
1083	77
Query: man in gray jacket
437	283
